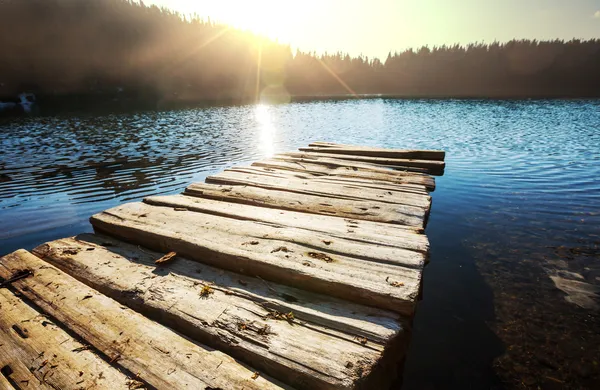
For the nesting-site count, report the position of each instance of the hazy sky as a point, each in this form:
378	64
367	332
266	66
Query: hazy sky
375	27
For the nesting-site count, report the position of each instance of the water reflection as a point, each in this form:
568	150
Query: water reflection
518	206
266	129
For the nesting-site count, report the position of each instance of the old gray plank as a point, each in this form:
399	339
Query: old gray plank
344	171
384	277
312	187
338	162
433	167
312	349
365	184
351	209
366	232
434	155
160	357
41	354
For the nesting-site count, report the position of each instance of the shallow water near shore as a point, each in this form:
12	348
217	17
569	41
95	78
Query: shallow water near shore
512	292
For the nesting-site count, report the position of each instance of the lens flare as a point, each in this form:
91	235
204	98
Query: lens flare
266	129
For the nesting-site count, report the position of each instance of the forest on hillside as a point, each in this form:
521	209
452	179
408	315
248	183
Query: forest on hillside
127	50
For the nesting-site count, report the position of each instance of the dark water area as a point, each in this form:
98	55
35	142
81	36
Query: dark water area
512	293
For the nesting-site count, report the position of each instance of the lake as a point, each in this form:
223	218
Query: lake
512	292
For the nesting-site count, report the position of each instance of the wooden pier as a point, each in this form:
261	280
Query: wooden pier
298	272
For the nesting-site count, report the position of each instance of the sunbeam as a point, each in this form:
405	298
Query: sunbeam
258	66
196	49
267	130
338	78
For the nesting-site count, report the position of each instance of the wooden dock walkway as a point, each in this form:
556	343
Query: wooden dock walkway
301	271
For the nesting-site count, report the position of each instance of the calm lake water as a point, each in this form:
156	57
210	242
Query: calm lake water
516	216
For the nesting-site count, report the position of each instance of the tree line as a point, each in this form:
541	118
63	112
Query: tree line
122	49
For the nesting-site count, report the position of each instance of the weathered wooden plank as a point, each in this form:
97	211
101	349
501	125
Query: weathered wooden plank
308	187
296	240
324	144
338	162
434	155
367	232
383	175
385	277
156	354
334	145
434	167
365	184
284	200
42	355
14	374
320	345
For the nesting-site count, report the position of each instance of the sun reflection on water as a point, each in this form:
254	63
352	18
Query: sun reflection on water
266	129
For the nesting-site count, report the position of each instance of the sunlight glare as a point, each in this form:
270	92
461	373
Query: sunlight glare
275	19
266	128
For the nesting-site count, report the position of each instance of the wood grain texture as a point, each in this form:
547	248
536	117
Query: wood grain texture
433	167
392	194
335	161
337	170
320	346
160	357
340	162
317	180
412	217
42	355
434	155
315	262
367	232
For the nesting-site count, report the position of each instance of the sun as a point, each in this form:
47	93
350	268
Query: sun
265	17
276	19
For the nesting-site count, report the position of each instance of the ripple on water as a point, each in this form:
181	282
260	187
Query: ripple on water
538	155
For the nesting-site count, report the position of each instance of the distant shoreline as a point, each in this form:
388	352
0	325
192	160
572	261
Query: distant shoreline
123	55
445	97
99	103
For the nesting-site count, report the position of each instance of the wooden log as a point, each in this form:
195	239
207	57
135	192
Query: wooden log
433	155
308	187
367	232
323	144
433	167
285	200
155	353
366	184
39	354
334	162
342	171
296	240
317	159
353	163
319	346
310	261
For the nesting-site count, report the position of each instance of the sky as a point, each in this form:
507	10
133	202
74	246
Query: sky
376	27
